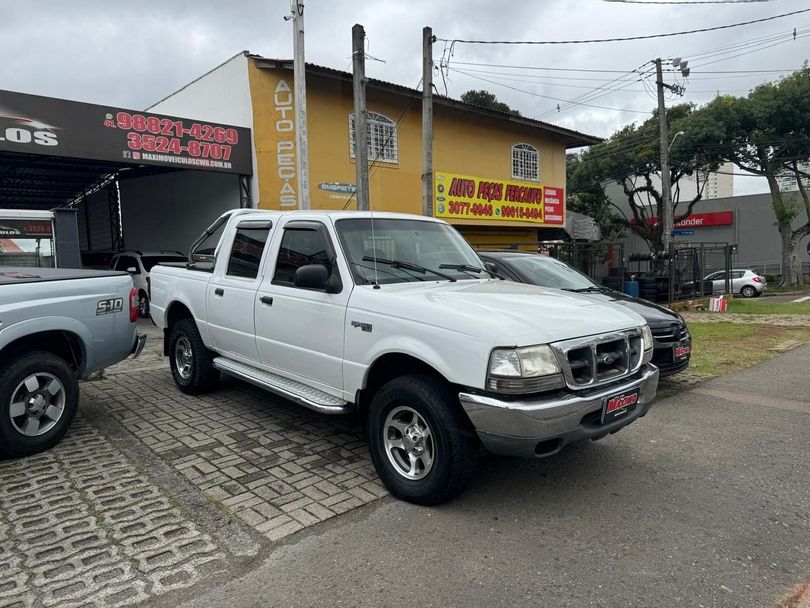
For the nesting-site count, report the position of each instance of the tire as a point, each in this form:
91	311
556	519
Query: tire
748	292
406	407
39	396
190	361
143	305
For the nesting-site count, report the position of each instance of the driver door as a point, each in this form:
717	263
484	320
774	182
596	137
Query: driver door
299	331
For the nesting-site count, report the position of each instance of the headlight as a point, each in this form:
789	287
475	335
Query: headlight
530	369
646	337
527	362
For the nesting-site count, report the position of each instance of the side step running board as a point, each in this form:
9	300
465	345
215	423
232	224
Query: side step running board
300	393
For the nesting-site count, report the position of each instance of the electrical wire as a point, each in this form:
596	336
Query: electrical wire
693	2
603	71
546	96
628	38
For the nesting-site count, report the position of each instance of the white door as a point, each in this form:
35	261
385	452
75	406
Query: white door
232	292
299	331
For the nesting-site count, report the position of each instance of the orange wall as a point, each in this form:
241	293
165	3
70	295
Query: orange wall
464	142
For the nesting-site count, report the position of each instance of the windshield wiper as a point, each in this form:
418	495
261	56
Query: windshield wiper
592	288
408	266
470	268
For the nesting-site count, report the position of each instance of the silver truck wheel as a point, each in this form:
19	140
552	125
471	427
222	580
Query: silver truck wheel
183	357
423	447
39	396
37	404
190	361
408	443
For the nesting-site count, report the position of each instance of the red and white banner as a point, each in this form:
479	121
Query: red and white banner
700	220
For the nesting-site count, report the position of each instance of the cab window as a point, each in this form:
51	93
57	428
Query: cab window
300	247
246	252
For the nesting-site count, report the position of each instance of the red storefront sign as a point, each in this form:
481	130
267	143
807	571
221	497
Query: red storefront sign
700	220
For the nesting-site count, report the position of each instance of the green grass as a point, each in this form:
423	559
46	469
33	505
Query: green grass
763	307
724	348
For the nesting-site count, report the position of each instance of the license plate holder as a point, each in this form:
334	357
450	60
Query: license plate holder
681	352
619	405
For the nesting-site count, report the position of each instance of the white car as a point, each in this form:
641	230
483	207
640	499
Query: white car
396	318
747	283
139	264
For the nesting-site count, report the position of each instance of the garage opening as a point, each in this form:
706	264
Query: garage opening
136	180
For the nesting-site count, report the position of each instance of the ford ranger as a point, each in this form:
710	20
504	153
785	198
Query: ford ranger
395	317
57	326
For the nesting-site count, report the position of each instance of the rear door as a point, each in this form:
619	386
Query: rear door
232	290
299	332
738	280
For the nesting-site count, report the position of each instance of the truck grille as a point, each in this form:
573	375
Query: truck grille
673	332
599	359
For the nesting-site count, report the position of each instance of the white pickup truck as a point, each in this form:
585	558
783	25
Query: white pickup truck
396	318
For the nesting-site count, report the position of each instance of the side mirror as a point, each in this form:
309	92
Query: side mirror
491	266
132	270
312	276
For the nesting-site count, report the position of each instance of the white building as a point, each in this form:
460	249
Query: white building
788	182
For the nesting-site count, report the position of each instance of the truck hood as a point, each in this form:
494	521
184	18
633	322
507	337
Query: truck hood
503	312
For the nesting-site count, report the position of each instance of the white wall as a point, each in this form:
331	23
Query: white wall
170	210
221	95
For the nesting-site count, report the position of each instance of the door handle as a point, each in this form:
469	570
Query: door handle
266	300
219	291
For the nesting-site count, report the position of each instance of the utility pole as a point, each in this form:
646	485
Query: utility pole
299	76
427	121
666	186
360	129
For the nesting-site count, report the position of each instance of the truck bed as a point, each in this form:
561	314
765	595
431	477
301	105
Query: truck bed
14	275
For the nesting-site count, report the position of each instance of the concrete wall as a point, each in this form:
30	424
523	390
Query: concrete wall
170	210
221	95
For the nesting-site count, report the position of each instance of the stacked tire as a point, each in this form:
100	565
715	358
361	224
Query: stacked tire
648	288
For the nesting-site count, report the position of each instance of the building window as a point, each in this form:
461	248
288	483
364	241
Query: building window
382	138
525	162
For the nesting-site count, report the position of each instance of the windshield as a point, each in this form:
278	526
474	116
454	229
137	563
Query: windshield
548	272
150	260
415	243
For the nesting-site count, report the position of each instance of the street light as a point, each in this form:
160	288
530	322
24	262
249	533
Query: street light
674	138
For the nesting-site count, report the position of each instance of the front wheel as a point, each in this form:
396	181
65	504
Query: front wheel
39	396
191	362
748	291
423	447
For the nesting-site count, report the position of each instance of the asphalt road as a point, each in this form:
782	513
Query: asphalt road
705	502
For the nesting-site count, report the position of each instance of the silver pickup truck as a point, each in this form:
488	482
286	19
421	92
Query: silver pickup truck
57	326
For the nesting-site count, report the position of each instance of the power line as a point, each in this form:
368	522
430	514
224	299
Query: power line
693	2
603	71
629	38
546	96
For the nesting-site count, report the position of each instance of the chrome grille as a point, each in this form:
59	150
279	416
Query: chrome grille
599	359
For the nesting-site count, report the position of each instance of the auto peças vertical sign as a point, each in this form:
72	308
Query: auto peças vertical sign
30	124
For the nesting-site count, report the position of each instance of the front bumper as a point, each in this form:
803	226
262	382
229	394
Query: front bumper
542	426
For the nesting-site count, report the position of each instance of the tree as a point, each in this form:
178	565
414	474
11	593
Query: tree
631	158
485	99
767	133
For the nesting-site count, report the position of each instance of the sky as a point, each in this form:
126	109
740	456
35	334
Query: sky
132	54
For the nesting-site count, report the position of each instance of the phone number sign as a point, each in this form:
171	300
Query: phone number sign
31	124
482	198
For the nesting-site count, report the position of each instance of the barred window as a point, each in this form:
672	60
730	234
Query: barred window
525	162
381	135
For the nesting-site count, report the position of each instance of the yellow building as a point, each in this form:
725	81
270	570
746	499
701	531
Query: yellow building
498	177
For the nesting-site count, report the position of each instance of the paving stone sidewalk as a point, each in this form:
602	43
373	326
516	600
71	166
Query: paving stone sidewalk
274	465
82	526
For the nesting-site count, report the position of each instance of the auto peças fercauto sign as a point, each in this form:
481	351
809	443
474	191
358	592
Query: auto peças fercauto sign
31	124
